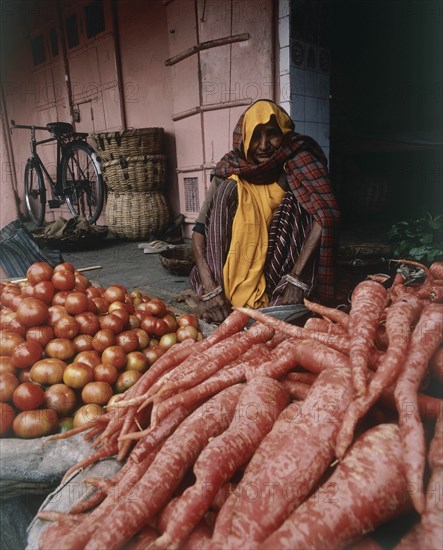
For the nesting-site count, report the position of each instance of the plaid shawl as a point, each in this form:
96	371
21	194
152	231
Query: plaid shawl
305	166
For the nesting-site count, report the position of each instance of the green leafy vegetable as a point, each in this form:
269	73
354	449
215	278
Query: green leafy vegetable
420	239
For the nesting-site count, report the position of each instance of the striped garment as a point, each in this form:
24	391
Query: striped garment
305	166
289	227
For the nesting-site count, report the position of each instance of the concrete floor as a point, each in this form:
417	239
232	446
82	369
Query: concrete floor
124	263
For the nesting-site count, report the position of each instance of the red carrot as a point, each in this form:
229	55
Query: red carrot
336	315
142	539
303	377
297	390
436	364
368	301
365	490
425	339
400	317
314	324
177	454
436	270
260	403
284	424
199	539
431	520
337	341
316	357
178	353
291	468
228	376
209	362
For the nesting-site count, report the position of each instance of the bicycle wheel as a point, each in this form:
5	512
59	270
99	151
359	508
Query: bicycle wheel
82	181
35	192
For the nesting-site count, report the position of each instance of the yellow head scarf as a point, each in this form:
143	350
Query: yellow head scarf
243	272
260	113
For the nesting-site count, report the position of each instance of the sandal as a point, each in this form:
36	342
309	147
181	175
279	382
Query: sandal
155	247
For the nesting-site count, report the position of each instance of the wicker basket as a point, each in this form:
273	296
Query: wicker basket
137	173
178	260
135	141
135	216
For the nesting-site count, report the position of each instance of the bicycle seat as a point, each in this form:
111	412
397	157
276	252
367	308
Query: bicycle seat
58	129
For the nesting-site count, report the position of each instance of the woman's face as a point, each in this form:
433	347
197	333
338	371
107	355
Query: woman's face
265	141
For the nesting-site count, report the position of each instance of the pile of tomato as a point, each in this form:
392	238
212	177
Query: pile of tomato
68	348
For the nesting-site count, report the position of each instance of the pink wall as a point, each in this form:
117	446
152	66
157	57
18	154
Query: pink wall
136	88
145	78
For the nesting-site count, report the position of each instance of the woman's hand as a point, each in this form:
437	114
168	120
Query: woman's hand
214	310
292	295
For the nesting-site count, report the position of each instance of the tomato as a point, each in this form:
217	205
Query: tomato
103	339
87	413
186	331
8	295
170	320
112	322
24	375
48	371
134	322
89	357
56	312
42	334
154	326
63	280
152	354
186	319
44	291
83	342
120	305
28	291
32	312
8	322
6	364
60	298
136	360
61	348
101	304
168	340
9	341
66	327
77	375
92	307
105	372
36	423
81	282
39	271
156	307
88	322
128	340
64	266
92	292
76	302
28	396
98	392
114	293
8	383
60	398
114	355
120	312
127	379
26	354
7	415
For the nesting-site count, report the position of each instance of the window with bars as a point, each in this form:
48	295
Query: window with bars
192	202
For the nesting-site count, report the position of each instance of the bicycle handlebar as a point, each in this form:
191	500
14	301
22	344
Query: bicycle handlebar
14	125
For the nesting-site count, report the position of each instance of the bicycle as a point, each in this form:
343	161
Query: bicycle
78	181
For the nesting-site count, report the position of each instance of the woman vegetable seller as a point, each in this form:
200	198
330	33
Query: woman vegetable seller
266	232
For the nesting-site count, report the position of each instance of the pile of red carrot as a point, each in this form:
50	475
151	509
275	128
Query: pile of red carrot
278	436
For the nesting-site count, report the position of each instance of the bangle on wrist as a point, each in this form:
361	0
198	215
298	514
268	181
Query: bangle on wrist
299	284
211	294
